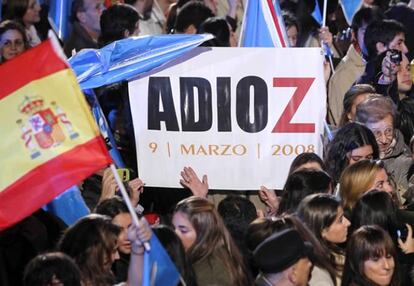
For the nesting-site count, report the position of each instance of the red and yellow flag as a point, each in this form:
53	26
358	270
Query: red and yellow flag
50	141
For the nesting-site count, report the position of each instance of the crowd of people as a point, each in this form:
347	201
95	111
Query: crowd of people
344	219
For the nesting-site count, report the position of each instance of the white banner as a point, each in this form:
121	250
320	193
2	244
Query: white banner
239	115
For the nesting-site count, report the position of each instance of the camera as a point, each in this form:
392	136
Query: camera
396	56
402	233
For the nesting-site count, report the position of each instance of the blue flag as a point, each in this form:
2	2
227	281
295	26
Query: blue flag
159	270
263	25
316	14
59	12
69	206
350	7
128	58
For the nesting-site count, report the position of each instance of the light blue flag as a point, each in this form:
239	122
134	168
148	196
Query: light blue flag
59	12
68	206
263	25
316	14
159	270
350	7
127	58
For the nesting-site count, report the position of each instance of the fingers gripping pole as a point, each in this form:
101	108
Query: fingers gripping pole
128	202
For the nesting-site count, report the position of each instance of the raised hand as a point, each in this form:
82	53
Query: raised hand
190	180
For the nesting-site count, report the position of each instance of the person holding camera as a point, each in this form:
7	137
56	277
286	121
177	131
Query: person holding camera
394	76
384	41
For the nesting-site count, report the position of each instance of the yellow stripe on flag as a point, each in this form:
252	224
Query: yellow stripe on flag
50	116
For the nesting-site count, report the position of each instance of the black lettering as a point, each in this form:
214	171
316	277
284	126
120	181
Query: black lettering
159	90
243	104
223	104
205	120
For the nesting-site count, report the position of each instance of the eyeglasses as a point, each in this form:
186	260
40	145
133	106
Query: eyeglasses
16	43
388	133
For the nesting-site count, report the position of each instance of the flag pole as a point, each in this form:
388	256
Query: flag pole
243	27
325	8
128	202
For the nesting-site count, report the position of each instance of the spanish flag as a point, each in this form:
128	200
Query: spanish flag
49	140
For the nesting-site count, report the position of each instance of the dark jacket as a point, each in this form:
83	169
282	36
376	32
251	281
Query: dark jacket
79	39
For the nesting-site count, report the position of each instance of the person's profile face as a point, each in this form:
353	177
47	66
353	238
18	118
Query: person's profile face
32	15
337	232
184	229
404	76
93	10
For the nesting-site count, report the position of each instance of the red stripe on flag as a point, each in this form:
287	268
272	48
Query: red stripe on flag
275	21
23	69
48	180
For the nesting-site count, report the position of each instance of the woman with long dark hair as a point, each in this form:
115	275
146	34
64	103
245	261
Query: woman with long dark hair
208	244
324	216
27	13
307	161
300	184
352	143
92	243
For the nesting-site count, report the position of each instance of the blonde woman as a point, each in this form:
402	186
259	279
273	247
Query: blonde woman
360	178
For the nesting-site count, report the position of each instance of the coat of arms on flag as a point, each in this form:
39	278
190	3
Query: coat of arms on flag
43	125
52	140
